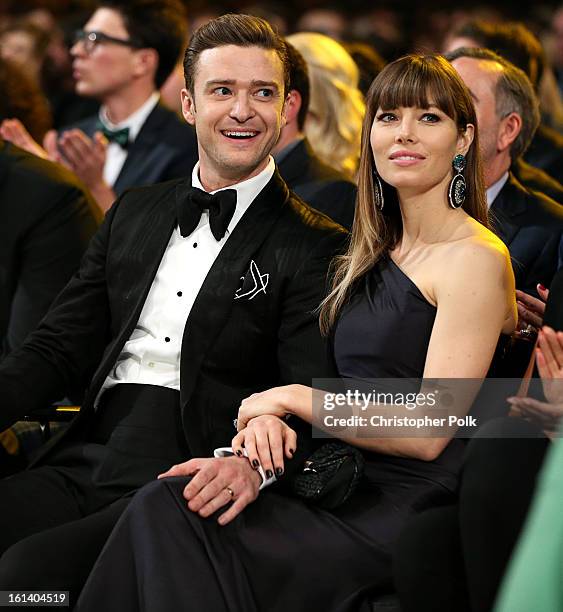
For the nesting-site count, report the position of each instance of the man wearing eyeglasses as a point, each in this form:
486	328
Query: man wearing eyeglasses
122	57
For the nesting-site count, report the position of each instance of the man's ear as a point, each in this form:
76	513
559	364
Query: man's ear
509	128
292	106
188	106
146	62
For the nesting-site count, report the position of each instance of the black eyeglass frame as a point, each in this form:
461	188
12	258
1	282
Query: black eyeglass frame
90	39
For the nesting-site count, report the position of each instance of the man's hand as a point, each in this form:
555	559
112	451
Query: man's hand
215	483
84	156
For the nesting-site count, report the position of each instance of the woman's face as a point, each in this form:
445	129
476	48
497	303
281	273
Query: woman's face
414	147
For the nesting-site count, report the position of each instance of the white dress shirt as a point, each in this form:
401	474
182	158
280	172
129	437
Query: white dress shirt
495	188
115	153
152	354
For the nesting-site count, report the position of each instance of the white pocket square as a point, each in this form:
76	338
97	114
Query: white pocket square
252	283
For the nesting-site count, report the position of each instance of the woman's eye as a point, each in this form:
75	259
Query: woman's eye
430	118
386	117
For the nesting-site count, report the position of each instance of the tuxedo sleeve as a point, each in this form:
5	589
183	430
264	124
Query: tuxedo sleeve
302	351
69	342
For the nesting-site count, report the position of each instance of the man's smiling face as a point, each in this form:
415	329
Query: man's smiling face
237	108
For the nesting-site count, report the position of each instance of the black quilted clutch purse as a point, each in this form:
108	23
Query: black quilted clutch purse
330	475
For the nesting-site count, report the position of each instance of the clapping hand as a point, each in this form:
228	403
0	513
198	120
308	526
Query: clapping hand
549	359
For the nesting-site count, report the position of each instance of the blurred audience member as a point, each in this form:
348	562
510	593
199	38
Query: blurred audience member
530	223
369	63
336	109
274	13
519	46
124	54
319	185
25	44
47	221
327	20
557	51
21	101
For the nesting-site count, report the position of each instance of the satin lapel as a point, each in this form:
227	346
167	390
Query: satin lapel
216	296
147	238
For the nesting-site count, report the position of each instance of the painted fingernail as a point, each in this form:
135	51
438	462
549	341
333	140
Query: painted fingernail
239	453
542	287
279	471
255	464
269	473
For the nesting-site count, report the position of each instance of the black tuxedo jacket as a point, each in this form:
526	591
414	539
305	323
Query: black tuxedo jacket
48	219
164	149
546	151
535	179
321	186
531	226
232	346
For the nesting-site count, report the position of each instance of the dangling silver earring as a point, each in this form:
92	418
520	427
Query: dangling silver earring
458	186
378	189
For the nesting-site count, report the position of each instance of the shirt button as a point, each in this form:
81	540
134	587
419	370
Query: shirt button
167	339
179	294
195	245
151	364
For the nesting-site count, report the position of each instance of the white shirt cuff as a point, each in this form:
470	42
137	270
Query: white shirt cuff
227	451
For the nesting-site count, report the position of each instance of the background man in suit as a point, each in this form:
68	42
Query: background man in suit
520	47
185	304
123	55
529	222
321	186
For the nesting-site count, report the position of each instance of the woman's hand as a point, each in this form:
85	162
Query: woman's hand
549	358
266	439
531	310
272	402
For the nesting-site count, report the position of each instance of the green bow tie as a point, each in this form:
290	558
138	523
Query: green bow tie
121	137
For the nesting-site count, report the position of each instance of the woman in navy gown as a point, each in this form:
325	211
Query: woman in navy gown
425	290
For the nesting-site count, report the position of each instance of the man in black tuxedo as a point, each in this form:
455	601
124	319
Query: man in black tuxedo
122	57
321	186
529	222
184	305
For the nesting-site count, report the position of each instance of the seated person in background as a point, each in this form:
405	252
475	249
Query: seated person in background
425	289
47	215
321	186
529	222
48	218
519	46
336	106
124	54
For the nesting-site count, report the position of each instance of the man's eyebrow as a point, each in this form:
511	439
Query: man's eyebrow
253	83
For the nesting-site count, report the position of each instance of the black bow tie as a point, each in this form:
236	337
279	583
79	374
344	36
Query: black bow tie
221	206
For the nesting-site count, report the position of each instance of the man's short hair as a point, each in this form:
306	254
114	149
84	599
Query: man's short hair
511	40
231	29
299	81
161	25
513	94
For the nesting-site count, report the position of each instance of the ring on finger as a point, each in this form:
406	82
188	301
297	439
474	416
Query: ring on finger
230	492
